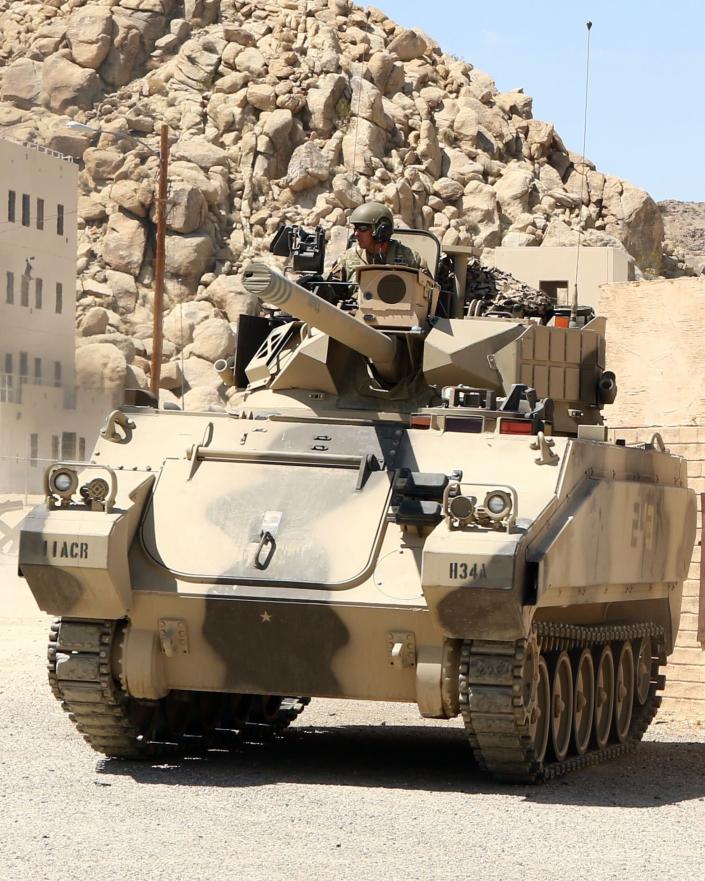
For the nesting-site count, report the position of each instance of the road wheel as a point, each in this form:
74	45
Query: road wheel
624	691
583	701
540	720
604	697
561	706
643	670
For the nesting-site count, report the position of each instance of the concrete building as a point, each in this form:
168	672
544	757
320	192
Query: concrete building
553	270
42	416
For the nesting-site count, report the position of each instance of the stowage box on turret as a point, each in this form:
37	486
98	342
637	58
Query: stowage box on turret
413	499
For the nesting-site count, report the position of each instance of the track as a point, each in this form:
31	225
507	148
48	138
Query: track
500	702
79	667
515	733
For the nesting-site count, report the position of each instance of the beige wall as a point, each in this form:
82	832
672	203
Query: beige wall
596	266
654	345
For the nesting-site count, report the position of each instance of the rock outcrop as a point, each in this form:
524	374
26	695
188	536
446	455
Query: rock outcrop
280	110
684	245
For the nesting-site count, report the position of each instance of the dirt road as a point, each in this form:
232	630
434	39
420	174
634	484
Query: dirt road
352	791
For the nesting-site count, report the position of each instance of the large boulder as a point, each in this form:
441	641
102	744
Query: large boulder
366	102
191	174
132	196
67	85
199	372
408	45
94	321
181	320
213	339
126	53
124	289
387	73
170	376
22	83
118	340
643	227
227	294
513	190
188	256
345	191
204	400
89	33
100	365
363	142
322	102
251	61
308	166
187	209
480	209
57	136
123	246
200	152
103	165
262	96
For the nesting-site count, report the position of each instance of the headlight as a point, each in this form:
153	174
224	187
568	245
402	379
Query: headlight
63	482
462	508
96	490
498	504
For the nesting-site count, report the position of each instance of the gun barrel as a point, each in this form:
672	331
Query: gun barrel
272	287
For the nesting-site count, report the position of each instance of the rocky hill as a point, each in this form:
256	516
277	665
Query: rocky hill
684	243
291	110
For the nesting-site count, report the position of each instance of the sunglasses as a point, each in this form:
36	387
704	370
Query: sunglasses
362	227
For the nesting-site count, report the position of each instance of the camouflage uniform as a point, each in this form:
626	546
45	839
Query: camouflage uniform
396	253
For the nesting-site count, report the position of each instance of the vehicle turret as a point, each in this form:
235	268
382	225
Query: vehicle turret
272	287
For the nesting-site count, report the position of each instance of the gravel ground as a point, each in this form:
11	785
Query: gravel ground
352	791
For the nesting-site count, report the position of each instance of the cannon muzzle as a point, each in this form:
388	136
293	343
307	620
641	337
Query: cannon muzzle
272	287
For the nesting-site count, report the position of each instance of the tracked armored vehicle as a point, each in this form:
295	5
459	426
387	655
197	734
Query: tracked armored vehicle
405	504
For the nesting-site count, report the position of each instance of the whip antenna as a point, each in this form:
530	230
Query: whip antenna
574	306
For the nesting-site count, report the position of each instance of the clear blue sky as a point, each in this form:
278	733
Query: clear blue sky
646	103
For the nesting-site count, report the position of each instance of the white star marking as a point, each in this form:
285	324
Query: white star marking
266	617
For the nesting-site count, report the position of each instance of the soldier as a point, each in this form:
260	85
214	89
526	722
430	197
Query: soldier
373	225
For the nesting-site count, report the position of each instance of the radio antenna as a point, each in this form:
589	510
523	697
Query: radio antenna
574	306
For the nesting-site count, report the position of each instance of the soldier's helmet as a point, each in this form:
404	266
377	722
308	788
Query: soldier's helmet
377	216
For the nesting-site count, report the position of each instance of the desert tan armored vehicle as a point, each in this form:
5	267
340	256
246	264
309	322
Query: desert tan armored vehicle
405	504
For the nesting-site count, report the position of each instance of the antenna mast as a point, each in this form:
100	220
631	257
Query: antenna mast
574	306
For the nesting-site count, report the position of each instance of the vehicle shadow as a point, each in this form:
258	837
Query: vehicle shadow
428	759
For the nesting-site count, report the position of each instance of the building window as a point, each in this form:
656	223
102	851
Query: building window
24	366
11	199
33	449
59	297
556	290
10	287
37	368
38	291
26	209
57	373
59	220
55	446
8	363
68	445
24	290
40	213
82	449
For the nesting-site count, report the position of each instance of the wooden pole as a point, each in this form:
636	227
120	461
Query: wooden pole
158	305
